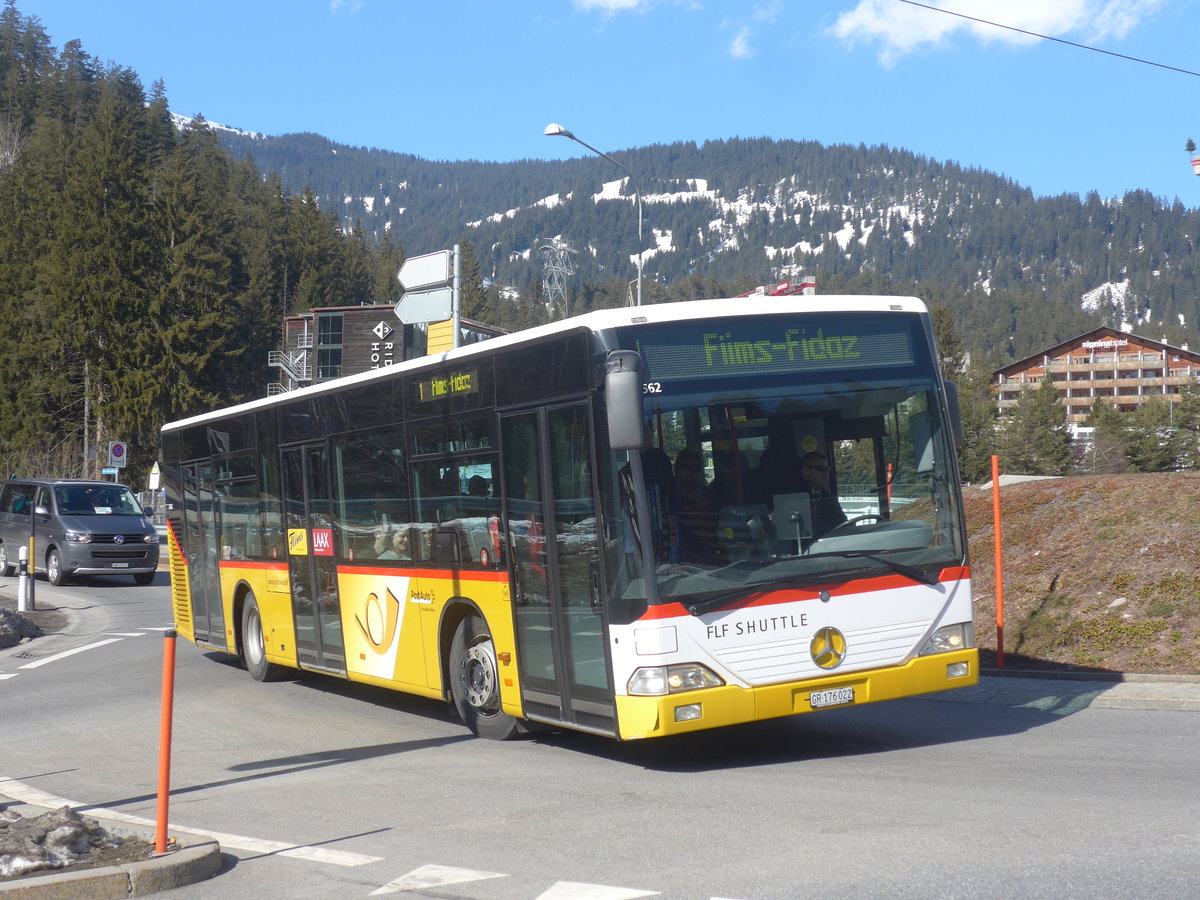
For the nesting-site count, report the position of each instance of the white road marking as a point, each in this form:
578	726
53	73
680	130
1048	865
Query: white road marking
9	675
434	876
57	656
127	633
574	890
25	793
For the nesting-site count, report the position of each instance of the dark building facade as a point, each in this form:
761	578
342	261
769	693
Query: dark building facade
333	341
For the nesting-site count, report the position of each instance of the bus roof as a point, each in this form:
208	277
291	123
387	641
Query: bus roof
595	321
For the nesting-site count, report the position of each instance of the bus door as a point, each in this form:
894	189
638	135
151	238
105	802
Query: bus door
557	598
204	577
312	566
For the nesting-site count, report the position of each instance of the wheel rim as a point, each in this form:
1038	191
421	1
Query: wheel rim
254	638
52	566
3	558
478	676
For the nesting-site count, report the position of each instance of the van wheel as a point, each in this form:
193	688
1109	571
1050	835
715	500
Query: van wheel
143	578
254	648
54	570
6	568
475	681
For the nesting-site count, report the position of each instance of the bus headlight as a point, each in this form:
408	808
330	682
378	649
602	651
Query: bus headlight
949	638
653	681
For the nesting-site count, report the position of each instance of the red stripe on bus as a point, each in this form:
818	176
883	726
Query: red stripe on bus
776	596
252	564
459	575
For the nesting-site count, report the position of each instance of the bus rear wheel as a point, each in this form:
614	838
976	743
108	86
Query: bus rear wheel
254	647
475	681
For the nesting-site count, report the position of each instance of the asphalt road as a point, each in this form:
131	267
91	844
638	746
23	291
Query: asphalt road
320	789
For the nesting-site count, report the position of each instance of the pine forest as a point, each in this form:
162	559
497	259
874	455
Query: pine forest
147	259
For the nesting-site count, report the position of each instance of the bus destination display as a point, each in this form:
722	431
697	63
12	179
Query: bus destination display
774	346
448	384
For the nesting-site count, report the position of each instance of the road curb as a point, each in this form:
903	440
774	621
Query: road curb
194	860
1061	675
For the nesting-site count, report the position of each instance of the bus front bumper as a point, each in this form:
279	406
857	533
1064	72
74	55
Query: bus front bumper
644	717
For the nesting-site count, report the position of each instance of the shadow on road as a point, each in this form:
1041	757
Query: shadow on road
878	728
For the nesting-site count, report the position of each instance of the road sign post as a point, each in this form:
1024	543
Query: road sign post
432	289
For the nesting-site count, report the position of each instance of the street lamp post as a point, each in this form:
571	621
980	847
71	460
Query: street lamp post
554	130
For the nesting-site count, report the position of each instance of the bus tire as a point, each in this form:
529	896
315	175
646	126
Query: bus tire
254	648
475	681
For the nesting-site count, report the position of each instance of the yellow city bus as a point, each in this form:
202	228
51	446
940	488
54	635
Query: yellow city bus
636	522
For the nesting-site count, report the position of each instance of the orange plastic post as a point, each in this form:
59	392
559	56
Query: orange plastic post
889	485
999	563
164	742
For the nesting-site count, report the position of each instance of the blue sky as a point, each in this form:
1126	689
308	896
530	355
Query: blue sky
480	79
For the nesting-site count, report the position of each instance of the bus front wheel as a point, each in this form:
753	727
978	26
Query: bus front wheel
475	681
254	648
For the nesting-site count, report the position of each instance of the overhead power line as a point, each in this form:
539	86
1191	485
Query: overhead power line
1046	37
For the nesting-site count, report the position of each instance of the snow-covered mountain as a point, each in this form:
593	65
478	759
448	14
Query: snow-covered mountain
757	211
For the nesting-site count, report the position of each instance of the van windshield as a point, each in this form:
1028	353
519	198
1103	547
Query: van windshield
95	500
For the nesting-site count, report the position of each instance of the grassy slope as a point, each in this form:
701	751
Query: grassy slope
1100	572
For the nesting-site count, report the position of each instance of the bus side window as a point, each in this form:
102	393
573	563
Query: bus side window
374	520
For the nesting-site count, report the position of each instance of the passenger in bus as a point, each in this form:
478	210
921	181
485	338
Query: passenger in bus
693	509
397	547
779	466
383	522
733	480
477	486
827	512
691	490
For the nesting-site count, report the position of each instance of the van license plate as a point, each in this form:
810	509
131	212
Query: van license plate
120	565
831	697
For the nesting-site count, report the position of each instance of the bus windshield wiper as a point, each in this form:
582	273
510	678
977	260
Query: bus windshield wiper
698	606
916	574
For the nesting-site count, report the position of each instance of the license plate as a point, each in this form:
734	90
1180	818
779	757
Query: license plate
831	697
120	565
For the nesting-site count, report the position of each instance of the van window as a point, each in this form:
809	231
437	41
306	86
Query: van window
95	500
17	498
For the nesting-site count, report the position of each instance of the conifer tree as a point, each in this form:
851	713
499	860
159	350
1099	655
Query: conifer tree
977	407
1149	447
1106	452
313	248
1034	439
474	297
951	353
385	271
1185	421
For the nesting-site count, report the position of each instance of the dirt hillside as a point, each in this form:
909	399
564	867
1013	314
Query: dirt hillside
1100	572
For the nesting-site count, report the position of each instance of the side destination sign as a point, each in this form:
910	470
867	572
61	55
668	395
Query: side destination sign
448	384
736	347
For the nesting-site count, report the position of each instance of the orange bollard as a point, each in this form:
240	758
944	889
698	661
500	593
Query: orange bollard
164	742
999	563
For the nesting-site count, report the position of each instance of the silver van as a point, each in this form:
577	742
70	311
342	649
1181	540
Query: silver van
78	528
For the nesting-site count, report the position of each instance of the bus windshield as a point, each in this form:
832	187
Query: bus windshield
812	473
